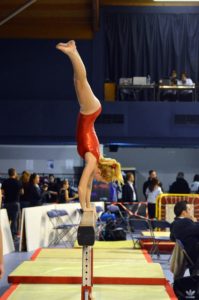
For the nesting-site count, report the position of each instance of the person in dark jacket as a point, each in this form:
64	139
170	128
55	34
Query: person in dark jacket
180	186
34	191
53	189
24	201
186	229
128	189
12	190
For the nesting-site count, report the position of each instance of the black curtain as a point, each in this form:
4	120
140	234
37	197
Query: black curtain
138	44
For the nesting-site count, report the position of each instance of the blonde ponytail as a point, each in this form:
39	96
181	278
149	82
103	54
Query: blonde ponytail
110	170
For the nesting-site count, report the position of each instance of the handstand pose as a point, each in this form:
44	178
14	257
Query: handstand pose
98	167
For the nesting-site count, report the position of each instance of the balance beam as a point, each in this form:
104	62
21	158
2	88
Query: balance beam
86	238
86	229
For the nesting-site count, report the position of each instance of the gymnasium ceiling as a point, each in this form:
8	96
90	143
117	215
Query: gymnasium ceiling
67	19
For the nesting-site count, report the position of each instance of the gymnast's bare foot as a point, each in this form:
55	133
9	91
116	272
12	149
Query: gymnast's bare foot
67	48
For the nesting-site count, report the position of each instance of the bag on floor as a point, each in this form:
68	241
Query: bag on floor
187	288
113	233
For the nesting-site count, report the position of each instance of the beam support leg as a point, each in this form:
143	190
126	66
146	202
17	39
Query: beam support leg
87	273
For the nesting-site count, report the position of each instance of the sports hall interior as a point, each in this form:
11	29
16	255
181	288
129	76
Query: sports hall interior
120	41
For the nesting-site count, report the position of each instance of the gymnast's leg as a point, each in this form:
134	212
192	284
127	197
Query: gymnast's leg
87	100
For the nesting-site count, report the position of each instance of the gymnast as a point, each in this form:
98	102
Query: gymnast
96	166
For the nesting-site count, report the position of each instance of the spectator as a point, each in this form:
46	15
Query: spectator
152	192
185	80
171	94
53	188
66	193
185	94
45	194
194	187
173	78
186	228
24	200
180	186
12	189
152	174
128	189
34	191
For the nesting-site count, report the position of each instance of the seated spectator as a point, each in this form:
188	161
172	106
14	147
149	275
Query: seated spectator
53	188
12	189
186	228
180	186
184	80
173	78
194	187
152	191
128	189
24	200
171	94
185	94
66	193
34	191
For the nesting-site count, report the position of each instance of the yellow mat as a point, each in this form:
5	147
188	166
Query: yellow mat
100	292
107	268
116	244
98	253
157	234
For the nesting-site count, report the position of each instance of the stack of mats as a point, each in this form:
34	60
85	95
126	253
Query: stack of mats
119	273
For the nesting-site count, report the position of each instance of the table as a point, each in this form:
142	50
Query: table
134	89
178	89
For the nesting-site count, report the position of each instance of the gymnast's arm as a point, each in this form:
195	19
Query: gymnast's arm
84	188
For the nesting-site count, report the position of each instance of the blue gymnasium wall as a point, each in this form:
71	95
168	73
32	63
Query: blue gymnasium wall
38	103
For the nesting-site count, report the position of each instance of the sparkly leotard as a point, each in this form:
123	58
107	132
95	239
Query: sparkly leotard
87	140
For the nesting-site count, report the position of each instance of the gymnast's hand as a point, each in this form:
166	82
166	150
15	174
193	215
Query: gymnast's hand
89	209
93	209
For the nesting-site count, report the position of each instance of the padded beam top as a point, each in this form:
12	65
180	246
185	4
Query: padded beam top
86	230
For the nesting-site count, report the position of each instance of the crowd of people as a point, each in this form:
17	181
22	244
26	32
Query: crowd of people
152	187
31	190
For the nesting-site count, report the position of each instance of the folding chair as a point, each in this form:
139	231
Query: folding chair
100	224
139	225
158	226
190	263
66	231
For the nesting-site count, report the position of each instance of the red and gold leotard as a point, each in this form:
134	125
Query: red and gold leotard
87	140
